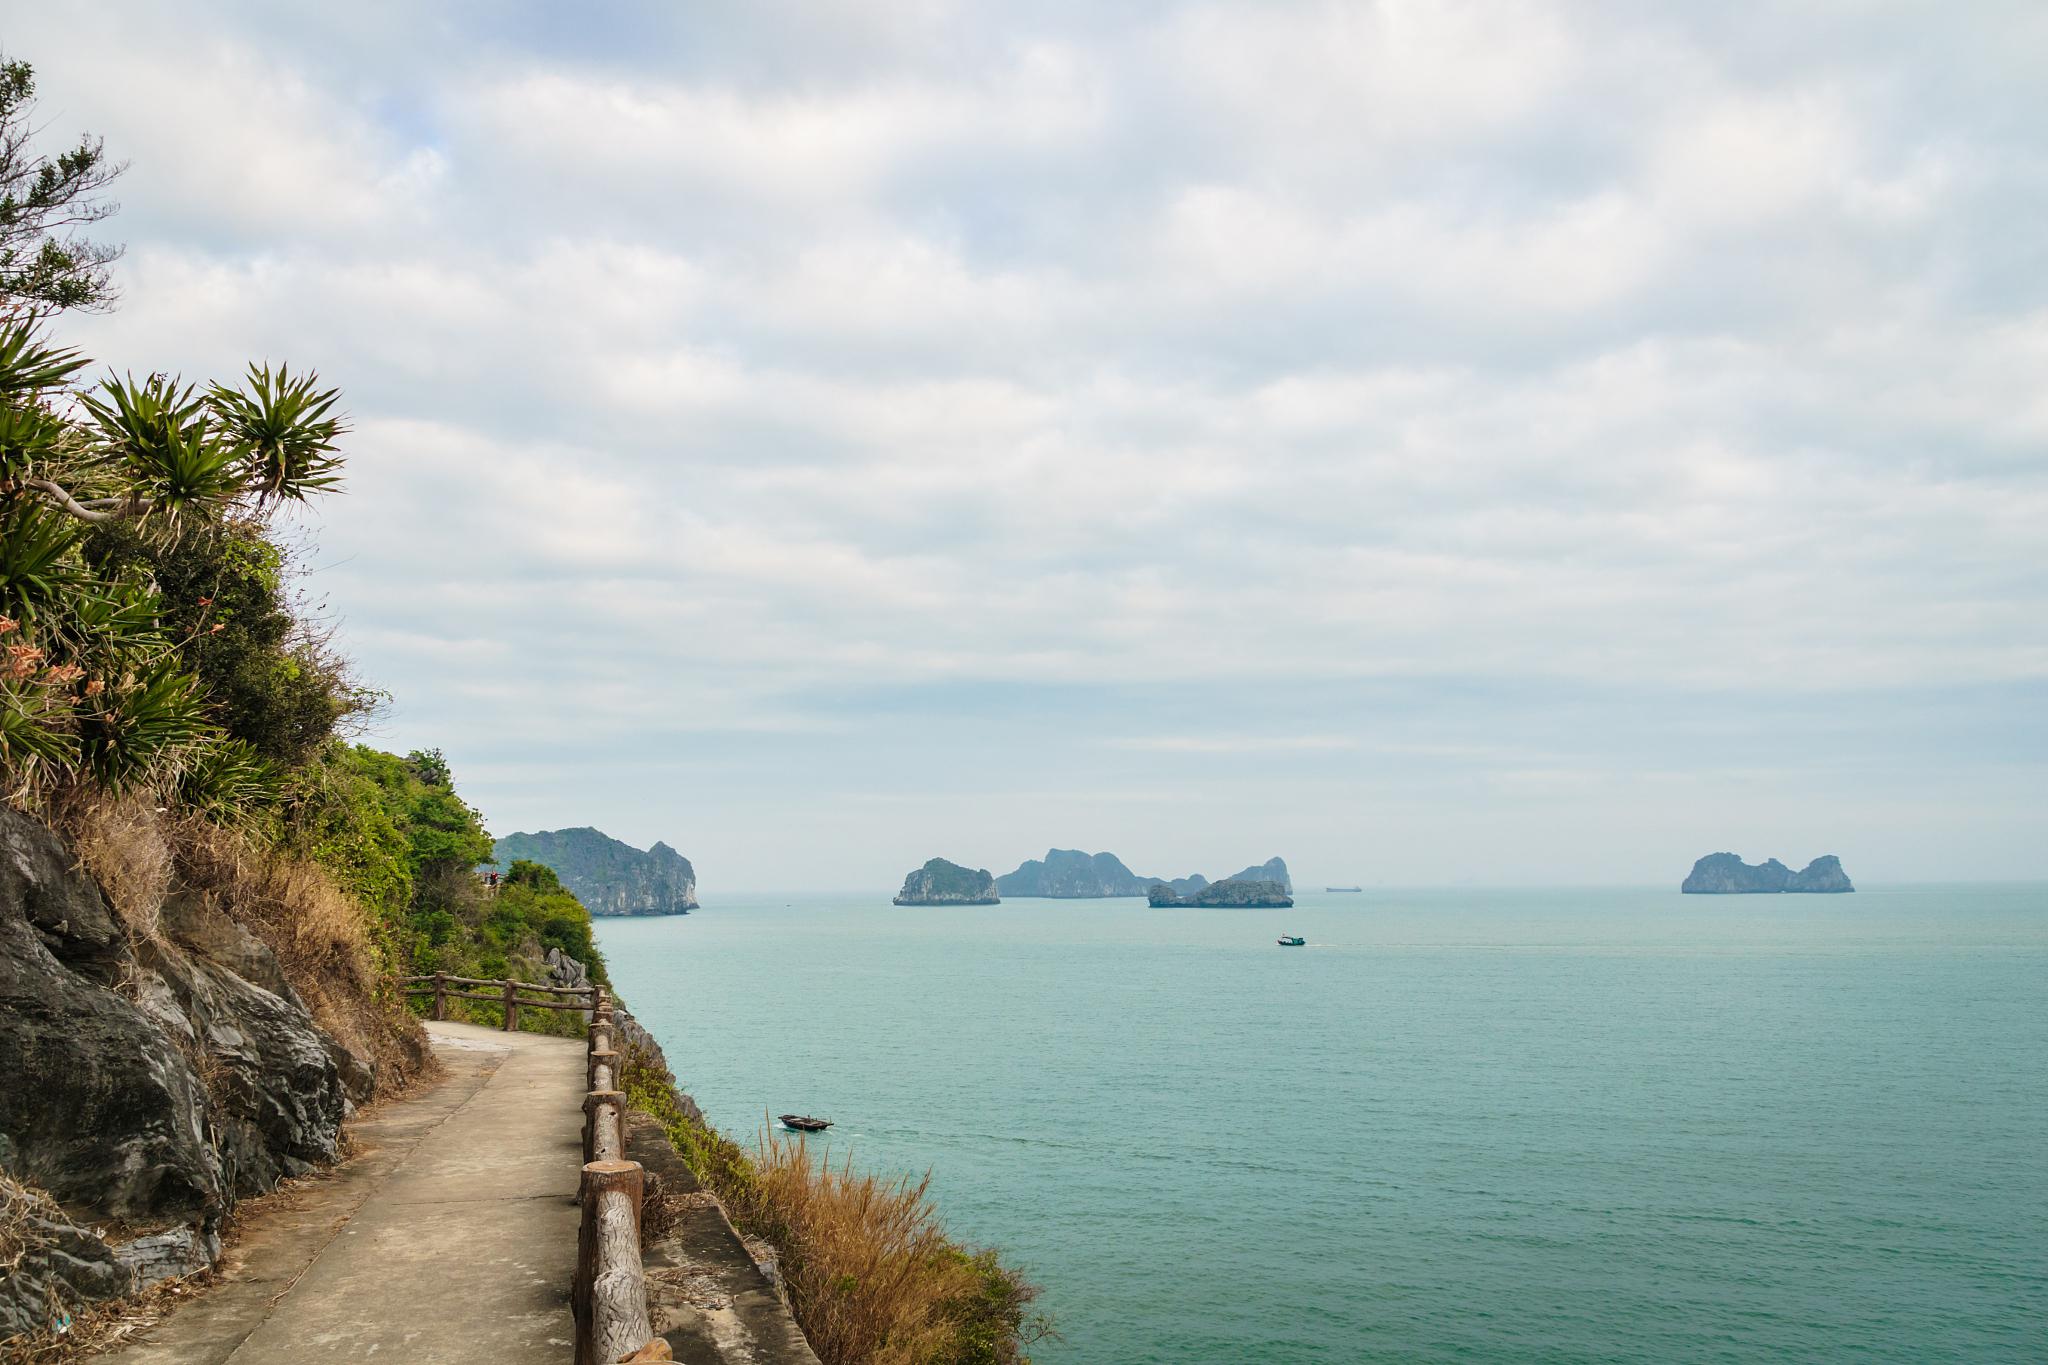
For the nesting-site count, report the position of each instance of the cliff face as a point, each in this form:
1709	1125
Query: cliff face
1069	873
1725	874
939	882
608	876
149	1081
1271	870
1824	874
1233	892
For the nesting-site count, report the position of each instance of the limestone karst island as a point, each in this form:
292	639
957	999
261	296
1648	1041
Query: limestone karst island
1725	874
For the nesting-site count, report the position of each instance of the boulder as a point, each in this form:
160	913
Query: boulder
53	1266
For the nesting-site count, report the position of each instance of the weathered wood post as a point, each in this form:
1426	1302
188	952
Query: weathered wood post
611	1289
604	1125
511	1005
603	1070
440	995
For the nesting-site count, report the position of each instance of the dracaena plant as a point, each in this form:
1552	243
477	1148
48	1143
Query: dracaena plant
93	688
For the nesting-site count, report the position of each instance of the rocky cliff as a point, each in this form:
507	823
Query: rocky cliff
1069	874
148	1080
1235	892
1725	874
610	877
939	882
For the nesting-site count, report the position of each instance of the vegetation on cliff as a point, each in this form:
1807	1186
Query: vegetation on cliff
871	1274
939	882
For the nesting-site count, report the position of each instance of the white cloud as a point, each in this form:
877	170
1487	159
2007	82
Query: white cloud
727	390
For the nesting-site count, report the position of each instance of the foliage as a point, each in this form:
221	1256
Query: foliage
153	488
222	591
394	832
45	264
872	1276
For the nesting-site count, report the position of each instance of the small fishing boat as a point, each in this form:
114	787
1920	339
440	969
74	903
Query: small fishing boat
1293	941
804	1123
1343	888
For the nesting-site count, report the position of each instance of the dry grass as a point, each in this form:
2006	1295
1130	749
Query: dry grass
124	843
139	855
87	1328
321	937
867	1265
871	1275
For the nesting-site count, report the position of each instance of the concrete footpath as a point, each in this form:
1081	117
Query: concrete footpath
450	1234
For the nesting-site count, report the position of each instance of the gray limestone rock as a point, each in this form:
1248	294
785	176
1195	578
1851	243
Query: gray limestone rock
939	882
1069	874
149	1082
1234	892
1725	874
55	1267
610	877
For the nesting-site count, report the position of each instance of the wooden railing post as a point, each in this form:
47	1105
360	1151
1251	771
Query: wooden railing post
440	995
511	1005
603	1070
610	1294
604	1125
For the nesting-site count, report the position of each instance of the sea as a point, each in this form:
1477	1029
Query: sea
1612	1125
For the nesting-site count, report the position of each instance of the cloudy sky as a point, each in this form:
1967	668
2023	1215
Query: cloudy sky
1436	442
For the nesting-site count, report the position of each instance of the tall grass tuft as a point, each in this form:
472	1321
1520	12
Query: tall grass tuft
871	1274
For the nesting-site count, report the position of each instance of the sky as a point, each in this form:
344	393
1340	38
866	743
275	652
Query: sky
1437	443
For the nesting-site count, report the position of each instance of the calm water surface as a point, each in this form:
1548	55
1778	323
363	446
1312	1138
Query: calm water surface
1460	1126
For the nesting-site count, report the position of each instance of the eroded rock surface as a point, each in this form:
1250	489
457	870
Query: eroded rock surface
939	882
148	1085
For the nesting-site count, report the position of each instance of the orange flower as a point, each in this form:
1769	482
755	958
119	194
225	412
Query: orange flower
22	660
7	624
94	688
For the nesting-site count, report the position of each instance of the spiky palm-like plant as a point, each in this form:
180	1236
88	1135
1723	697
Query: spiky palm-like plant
93	689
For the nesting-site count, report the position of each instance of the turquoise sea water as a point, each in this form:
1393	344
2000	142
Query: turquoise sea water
1460	1126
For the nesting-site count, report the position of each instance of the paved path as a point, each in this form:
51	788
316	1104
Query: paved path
449	1237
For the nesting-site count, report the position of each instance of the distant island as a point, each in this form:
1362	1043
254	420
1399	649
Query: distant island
1069	874
1241	893
1271	870
608	876
939	882
1343	888
1725	874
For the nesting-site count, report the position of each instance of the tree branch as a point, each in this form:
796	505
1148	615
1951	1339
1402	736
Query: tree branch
70	504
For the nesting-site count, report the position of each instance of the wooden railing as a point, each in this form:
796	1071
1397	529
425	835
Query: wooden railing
610	1292
504	993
